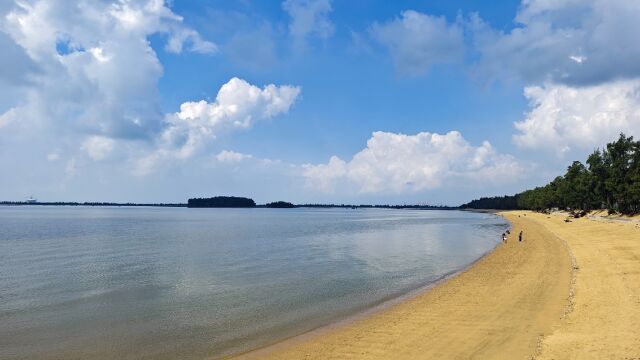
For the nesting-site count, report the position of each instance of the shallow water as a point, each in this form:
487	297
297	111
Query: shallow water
166	283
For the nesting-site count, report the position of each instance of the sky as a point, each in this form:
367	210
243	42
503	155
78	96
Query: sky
309	101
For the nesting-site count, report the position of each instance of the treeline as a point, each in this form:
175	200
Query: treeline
496	203
610	180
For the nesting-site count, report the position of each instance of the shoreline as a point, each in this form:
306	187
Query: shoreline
362	335
568	291
383	306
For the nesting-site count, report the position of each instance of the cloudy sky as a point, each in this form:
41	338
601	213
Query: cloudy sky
432	101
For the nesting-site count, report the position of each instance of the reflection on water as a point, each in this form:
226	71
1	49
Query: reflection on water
163	283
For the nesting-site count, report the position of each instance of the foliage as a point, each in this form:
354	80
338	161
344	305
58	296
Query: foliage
611	181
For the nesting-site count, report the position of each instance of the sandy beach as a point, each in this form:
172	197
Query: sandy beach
570	290
605	318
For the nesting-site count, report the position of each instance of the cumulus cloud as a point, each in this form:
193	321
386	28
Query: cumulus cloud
564	117
574	42
398	163
417	41
91	67
238	105
309	18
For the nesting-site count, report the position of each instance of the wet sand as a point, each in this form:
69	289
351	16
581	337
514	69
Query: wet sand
500	308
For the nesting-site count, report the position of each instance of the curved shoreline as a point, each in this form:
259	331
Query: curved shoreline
469	313
384	305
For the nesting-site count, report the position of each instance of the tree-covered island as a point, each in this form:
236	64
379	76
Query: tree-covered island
221	202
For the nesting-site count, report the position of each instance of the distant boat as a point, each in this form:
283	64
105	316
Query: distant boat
31	200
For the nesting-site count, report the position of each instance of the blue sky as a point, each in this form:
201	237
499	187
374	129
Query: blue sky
309	100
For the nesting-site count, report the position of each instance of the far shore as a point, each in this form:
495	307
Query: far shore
570	290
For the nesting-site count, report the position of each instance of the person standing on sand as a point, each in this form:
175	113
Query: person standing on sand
520	236
504	237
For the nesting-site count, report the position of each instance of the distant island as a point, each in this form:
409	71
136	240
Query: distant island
279	205
221	202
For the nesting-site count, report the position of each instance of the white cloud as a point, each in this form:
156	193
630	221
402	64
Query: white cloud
577	42
84	78
417	41
94	69
98	147
563	117
309	17
238	105
229	156
398	163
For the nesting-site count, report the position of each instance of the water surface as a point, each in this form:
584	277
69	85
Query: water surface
166	283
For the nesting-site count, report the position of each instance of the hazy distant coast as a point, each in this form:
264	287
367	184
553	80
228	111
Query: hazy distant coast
275	204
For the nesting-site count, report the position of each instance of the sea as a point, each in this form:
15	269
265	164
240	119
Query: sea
176	283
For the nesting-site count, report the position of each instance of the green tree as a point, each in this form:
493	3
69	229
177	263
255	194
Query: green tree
576	187
598	173
633	190
619	157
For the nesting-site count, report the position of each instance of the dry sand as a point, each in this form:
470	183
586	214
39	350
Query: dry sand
499	308
605	321
568	291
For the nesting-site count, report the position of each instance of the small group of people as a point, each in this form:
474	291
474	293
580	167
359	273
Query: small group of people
504	236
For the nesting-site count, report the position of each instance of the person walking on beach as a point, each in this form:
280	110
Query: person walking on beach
520	236
504	237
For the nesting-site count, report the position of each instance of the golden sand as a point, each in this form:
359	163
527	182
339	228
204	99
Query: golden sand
605	320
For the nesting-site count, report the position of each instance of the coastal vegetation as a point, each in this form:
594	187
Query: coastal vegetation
610	180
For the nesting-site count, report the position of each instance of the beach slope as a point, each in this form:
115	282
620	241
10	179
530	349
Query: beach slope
604	322
499	308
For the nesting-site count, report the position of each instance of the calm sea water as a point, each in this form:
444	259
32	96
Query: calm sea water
165	283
